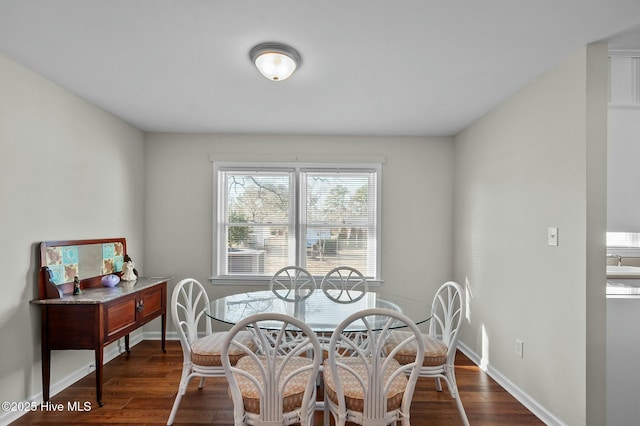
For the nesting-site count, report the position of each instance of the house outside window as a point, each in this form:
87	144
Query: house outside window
317	217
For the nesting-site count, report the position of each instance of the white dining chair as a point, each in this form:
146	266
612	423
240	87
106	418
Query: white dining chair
276	385
292	283
201	347
363	384
344	284
448	311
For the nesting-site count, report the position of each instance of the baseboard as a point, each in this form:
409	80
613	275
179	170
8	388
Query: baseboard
110	352
157	335
531	404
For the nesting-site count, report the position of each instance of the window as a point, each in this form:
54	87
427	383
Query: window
314	217
623	239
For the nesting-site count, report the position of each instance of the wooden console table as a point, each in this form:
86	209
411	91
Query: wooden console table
96	317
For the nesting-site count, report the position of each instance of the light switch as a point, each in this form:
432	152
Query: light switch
552	236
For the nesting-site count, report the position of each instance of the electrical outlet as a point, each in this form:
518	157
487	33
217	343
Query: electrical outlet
519	348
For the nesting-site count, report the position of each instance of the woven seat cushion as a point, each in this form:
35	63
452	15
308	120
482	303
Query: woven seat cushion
206	351
435	352
293	391
353	392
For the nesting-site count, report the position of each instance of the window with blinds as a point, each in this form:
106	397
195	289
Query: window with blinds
623	239
317	218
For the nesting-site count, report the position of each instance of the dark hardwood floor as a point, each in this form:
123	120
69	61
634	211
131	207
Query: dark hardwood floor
139	388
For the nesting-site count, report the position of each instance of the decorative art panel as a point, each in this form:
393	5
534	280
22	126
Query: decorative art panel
112	257
85	259
63	262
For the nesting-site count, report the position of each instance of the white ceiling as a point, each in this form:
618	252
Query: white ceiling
370	67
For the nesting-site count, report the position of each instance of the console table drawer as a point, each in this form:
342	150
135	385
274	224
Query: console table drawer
151	303
119	316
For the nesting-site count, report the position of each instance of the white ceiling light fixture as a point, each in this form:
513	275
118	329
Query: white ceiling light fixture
275	61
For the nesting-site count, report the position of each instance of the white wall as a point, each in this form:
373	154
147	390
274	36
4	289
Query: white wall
68	170
417	231
623	173
623	192
623	350
536	161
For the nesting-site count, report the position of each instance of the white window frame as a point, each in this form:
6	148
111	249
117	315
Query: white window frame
216	278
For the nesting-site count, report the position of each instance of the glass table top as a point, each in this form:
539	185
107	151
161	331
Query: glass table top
321	310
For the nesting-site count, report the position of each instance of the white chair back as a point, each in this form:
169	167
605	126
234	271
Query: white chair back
188	303
363	383
266	385
448	312
292	283
344	284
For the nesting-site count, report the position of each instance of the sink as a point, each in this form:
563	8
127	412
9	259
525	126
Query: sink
623	271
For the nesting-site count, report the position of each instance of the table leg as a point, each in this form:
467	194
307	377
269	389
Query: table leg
164	331
99	359
126	344
46	370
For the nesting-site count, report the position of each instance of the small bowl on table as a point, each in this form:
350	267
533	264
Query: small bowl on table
110	280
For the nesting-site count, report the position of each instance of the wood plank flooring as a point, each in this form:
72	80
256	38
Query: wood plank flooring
139	388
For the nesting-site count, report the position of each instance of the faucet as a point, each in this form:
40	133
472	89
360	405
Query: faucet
615	256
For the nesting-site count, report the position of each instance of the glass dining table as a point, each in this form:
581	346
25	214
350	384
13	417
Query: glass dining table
321	309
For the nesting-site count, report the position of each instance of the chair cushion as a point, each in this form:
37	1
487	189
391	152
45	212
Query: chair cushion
293	391
435	351
206	351
353	392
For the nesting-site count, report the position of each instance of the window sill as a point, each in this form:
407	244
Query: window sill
243	281
264	281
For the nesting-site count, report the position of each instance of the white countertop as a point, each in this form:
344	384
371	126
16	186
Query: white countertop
623	271
97	295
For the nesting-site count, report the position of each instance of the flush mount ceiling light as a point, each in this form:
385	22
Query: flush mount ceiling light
275	61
